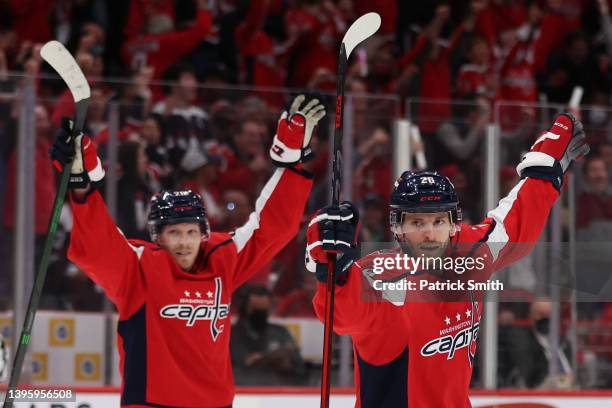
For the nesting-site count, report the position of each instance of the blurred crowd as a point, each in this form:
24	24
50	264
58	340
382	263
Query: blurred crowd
193	89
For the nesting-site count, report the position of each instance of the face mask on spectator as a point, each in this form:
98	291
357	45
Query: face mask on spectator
542	326
597	116
258	319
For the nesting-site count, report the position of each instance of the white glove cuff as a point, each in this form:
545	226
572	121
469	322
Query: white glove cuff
283	154
535	159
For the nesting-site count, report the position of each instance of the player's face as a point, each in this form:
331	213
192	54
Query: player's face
183	243
426	234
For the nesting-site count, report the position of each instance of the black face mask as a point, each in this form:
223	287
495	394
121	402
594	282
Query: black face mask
542	326
258	319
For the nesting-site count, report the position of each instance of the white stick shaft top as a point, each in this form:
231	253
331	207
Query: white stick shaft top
574	102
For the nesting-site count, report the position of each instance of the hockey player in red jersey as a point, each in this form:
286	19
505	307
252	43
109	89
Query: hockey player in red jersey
416	348
173	294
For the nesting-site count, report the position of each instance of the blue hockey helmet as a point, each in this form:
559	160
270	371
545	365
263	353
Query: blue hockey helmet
423	192
175	207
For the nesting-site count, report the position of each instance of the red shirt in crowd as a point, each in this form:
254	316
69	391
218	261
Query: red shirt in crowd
259	61
44	188
164	50
317	43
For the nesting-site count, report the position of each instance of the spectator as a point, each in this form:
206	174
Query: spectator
261	56
458	140
435	75
182	118
576	66
155	42
374	164
245	166
594	215
605	152
600	341
135	98
593	231
531	351
469	202
263	353
317	26
135	189
202	171
157	154
96	111
596	119
44	195
374	219
476	76
298	302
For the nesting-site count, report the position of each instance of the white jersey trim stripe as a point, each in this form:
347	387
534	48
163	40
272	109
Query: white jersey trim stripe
499	237
244	233
139	250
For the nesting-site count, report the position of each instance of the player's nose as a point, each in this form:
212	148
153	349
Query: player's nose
427	232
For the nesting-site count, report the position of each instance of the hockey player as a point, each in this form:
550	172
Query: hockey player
415	348
173	294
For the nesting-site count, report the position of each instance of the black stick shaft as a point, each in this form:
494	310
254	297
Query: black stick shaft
26	331
39	282
331	275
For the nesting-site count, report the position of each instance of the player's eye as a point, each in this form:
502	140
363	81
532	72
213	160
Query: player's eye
440	221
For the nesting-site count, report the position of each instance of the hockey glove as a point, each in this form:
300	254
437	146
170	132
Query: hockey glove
86	167
291	143
333	230
552	154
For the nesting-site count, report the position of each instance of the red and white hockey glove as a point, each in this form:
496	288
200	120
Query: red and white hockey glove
291	143
552	154
333	230
86	167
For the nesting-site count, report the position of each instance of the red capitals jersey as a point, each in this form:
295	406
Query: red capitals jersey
174	326
412	352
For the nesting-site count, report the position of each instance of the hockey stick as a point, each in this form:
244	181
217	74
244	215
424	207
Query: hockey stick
364	27
62	61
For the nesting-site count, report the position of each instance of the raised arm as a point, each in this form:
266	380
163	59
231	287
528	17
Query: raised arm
96	244
280	205
512	228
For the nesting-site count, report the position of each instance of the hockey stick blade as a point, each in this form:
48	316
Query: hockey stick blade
64	64
364	27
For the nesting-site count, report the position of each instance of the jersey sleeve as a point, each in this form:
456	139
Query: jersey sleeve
357	308
512	228
275	221
99	248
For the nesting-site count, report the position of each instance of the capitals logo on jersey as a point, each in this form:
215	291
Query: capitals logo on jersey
448	343
209	308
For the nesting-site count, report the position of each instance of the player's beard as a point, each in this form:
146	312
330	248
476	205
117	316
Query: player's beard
431	249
